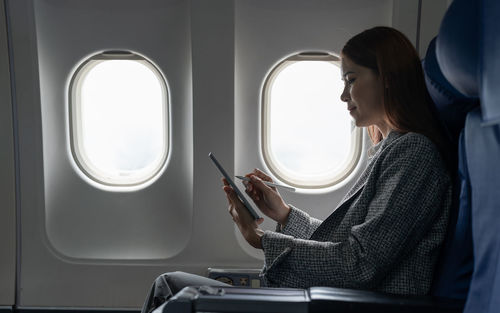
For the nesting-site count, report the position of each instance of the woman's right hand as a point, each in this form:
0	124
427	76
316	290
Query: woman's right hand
267	199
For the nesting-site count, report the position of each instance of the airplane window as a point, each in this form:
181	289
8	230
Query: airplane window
309	140
118	108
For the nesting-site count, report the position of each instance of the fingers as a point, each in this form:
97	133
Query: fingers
236	207
233	213
262	175
248	186
231	195
233	200
253	193
259	184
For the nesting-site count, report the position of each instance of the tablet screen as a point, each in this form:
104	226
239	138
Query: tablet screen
233	185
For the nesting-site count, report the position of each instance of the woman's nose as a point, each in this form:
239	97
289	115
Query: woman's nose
345	96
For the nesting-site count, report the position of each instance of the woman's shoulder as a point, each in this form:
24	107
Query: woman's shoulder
413	154
412	141
413	147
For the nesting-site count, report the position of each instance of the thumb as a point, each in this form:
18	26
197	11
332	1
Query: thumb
259	184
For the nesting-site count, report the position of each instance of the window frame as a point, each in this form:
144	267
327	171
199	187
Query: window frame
269	160
75	126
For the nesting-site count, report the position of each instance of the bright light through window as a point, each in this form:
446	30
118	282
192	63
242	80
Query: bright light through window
309	138
119	120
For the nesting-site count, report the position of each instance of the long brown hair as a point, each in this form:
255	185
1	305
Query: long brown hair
407	104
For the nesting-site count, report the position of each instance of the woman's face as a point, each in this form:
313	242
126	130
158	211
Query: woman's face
363	95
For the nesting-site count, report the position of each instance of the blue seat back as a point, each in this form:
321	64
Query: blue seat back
468	54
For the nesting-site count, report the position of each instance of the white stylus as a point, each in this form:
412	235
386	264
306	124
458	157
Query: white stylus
268	183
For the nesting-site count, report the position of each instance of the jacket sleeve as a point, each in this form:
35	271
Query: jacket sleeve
299	224
408	195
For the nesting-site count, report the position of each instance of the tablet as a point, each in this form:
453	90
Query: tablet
233	185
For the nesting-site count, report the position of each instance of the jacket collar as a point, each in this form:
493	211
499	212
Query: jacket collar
377	150
393	135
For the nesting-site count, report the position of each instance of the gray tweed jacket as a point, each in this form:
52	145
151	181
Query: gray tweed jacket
385	235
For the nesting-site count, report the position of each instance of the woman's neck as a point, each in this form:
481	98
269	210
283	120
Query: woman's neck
384	129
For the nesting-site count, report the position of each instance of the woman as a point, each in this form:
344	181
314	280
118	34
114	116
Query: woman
387	232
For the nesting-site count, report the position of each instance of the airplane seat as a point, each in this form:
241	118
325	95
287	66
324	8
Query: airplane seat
468	52
454	268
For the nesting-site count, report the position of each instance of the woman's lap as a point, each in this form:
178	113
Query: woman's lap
168	284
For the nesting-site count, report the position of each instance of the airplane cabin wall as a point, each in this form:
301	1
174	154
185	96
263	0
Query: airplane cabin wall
44	51
125	225
214	55
7	181
431	14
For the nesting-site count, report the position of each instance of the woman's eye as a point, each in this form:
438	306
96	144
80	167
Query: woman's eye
350	81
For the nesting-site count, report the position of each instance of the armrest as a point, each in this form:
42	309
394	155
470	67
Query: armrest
237	299
326	299
315	299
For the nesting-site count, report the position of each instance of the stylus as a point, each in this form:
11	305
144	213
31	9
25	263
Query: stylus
268	183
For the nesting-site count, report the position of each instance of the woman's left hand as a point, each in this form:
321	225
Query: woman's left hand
249	227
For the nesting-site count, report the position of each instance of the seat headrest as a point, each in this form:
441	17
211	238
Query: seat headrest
468	52
440	89
457	46
451	105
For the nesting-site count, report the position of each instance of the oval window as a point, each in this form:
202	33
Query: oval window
308	137
119	119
